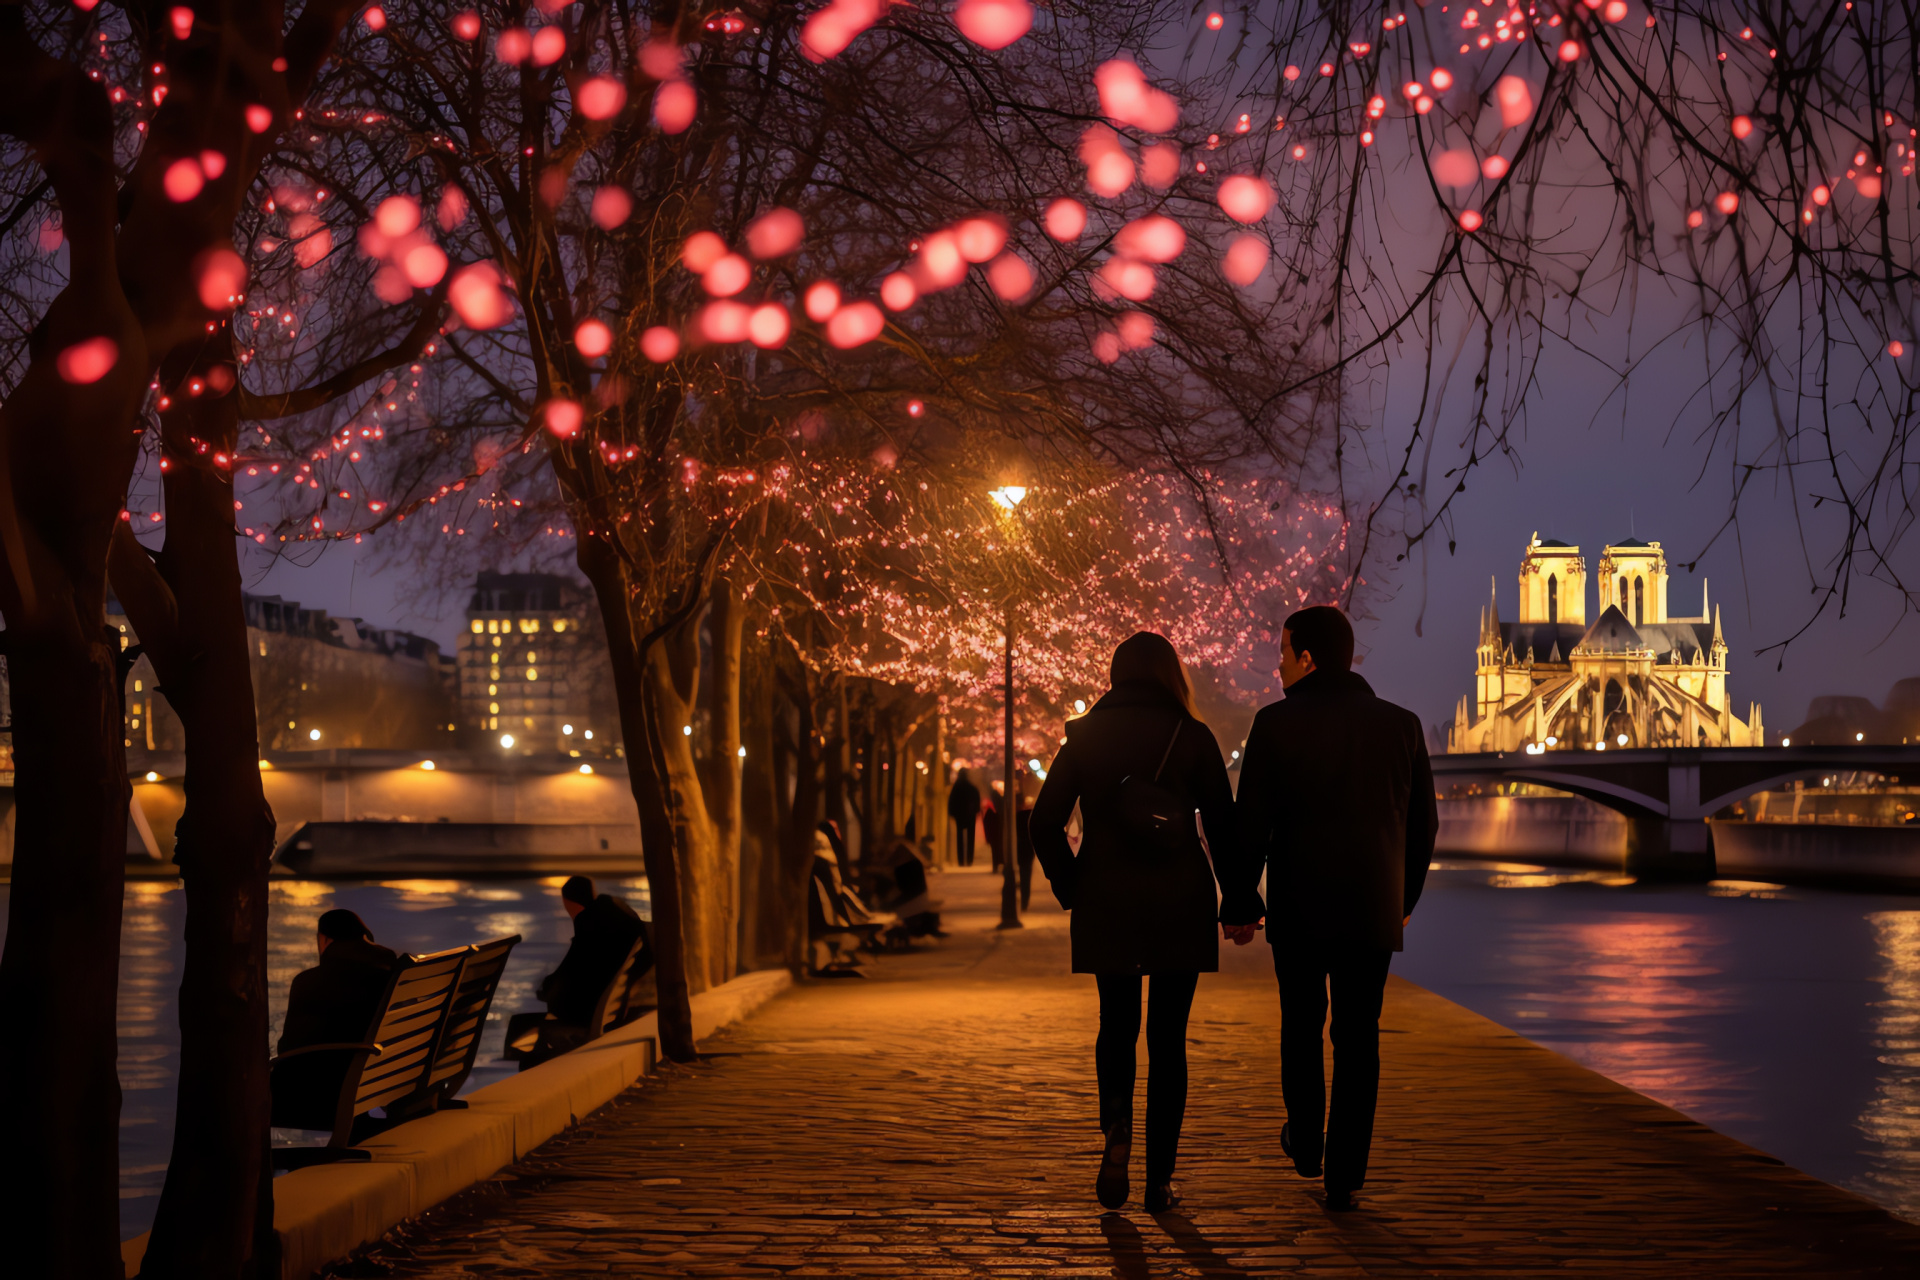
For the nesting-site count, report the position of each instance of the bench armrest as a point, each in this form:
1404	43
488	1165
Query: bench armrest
374	1049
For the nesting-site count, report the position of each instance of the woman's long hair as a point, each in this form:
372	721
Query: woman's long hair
1147	655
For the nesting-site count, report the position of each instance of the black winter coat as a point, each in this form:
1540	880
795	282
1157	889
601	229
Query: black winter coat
1136	908
1336	806
331	1003
603	933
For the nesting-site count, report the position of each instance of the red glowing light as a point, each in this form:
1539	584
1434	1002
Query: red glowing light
181	19
821	300
465	25
659	344
1726	202
775	234
1066	219
1246	198
1470	220
593	338
88	361
993	24
855	324
768	325
183	180
600	98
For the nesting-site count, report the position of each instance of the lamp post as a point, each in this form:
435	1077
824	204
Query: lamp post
1009	496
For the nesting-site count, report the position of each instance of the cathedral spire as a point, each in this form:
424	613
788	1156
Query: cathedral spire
1716	626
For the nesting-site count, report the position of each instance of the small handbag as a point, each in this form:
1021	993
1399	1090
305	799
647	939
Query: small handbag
1157	818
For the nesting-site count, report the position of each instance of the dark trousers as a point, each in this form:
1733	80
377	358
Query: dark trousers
1025	867
963	845
1357	978
1170	999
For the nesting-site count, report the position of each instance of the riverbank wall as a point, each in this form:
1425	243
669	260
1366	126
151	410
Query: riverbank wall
327	1211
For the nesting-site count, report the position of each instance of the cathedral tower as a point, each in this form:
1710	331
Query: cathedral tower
1553	583
1633	579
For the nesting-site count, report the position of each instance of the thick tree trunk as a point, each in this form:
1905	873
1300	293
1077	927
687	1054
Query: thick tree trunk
216	1207
646	777
673	672
725	623
58	979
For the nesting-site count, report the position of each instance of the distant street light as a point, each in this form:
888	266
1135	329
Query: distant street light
427	765
506	741
313	735
586	768
1009	497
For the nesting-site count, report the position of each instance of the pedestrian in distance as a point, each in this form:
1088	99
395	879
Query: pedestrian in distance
990	812
1141	890
1023	837
1336	807
963	806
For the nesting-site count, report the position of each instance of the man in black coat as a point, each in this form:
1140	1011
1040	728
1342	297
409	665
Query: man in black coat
1336	806
963	806
604	930
332	1003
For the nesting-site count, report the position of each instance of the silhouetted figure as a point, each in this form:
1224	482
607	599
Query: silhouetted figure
332	1003
1336	805
1023	839
963	806
604	930
1141	889
907	895
991	821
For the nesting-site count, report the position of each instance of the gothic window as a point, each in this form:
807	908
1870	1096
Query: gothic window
1553	598
1639	601
1623	593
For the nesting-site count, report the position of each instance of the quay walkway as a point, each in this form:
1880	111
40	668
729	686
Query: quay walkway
936	1119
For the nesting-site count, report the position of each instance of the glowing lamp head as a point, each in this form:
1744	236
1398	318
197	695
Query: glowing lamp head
567	729
1621	740
1786	742
427	765
586	768
506	741
152	776
313	735
1009	496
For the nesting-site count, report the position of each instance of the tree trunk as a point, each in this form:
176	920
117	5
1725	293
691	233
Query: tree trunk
59	975
803	816
837	748
725	624
645	776
763	906
673	671
216	1207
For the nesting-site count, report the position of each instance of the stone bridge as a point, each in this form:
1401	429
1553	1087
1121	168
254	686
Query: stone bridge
1667	793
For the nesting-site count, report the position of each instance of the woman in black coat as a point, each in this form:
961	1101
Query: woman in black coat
1141	889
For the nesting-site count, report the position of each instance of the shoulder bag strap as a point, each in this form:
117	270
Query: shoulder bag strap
1178	725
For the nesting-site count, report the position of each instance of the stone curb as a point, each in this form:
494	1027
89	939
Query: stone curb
328	1211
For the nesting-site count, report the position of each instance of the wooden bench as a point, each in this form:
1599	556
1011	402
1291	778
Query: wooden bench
461	1031
551	1037
419	1047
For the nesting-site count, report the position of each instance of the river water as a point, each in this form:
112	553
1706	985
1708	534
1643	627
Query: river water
1786	1018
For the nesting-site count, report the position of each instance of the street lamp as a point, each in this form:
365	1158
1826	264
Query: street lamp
1009	497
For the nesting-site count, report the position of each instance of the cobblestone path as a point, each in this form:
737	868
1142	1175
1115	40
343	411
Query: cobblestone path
936	1119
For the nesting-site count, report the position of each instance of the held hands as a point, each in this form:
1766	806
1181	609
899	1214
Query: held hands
1241	934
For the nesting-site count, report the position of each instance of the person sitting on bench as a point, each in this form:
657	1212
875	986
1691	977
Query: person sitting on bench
604	929
332	1003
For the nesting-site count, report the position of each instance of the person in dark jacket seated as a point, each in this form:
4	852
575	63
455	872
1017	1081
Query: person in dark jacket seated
604	930
332	1003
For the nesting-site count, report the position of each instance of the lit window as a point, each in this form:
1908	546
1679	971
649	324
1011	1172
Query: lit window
496	642
492	689
478	626
493	708
136	686
532	674
492	627
559	624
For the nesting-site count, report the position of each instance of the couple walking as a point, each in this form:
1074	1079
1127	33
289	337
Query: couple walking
1335	807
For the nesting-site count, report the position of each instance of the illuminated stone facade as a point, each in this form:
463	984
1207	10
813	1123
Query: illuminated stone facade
1636	677
533	667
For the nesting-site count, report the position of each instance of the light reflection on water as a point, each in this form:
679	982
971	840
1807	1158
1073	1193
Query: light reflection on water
1786	1018
407	915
